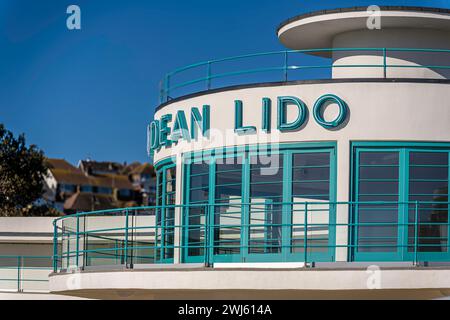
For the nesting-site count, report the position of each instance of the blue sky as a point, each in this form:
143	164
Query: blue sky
91	92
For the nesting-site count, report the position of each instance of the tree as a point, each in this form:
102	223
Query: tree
22	170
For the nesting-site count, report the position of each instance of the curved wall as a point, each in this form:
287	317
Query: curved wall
392	38
398	111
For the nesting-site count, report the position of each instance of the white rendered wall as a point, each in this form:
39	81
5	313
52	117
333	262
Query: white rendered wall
392	38
255	284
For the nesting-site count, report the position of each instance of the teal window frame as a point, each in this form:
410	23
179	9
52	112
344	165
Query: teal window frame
403	149
161	211
289	149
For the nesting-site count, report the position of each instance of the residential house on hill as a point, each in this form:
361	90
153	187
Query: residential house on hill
97	185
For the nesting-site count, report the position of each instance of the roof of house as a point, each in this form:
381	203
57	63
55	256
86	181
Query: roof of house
64	172
60	164
100	166
82	201
114	181
144	168
129	168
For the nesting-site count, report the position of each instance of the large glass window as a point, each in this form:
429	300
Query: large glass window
310	183
428	185
240	205
165	212
228	212
402	202
378	181
266	198
198	198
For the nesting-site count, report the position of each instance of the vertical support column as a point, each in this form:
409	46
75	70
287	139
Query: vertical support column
18	274
343	169
125	250
208	75
305	236
78	241
55	247
416	232
207	245
178	221
167	87
286	66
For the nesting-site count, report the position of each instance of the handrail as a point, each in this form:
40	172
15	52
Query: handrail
167	85
130	241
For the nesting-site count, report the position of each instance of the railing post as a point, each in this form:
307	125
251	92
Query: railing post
416	233
385	63
167	87
55	247
206	245
305	239
208	75
286	66
19	270
85	244
125	249
161	91
78	241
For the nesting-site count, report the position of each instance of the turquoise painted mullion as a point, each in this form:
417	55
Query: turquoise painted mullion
163	214
158	203
332	211
287	210
355	209
211	220
186	211
245	216
403	208
448	209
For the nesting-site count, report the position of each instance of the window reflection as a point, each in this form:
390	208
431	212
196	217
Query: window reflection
266	196
310	183
227	214
198	199
428	183
378	181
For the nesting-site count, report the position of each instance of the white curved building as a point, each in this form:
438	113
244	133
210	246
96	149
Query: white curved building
317	172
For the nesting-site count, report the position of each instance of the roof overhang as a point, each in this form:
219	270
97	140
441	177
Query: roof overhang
318	29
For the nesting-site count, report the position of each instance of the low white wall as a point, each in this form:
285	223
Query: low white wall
216	283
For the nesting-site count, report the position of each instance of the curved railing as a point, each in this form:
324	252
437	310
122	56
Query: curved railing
130	237
276	66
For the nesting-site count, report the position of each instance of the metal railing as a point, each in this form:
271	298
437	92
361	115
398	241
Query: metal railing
24	273
305	232
282	69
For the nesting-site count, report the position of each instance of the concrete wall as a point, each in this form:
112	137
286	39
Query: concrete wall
26	229
392	38
256	284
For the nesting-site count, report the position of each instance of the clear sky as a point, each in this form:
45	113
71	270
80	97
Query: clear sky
91	92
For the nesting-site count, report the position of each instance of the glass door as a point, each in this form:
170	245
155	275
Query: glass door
378	215
227	208
266	210
165	214
312	235
428	228
195	214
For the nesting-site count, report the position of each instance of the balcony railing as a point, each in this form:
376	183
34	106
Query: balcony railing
306	232
25	273
282	66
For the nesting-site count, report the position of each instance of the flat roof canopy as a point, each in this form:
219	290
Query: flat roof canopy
317	30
